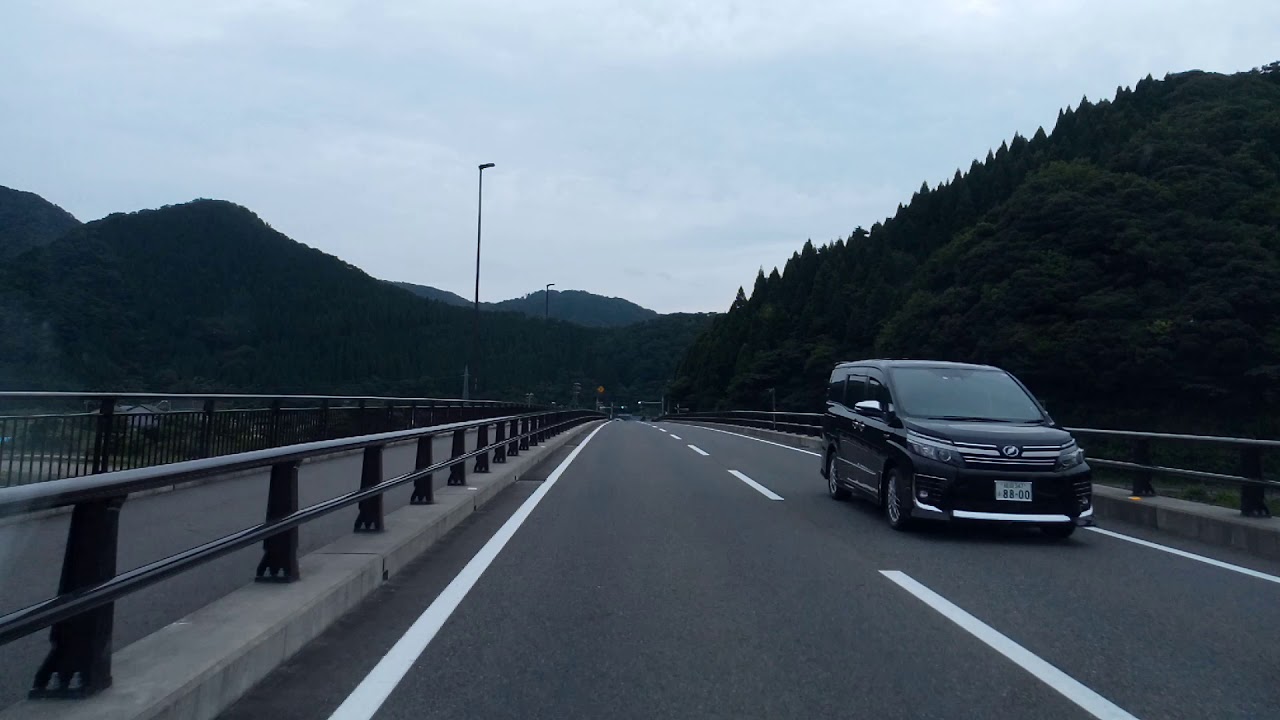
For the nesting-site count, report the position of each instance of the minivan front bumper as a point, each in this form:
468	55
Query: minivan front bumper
945	492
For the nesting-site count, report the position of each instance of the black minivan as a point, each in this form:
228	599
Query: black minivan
951	441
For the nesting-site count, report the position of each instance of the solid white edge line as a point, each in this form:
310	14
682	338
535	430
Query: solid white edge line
759	488
766	442
1069	687
699	450
1188	555
372	692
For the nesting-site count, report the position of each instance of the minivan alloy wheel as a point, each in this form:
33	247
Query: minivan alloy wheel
834	488
898	516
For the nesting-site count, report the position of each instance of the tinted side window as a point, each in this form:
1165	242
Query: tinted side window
877	391
855	388
835	391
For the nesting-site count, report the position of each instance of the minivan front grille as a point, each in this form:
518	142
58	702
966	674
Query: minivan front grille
1032	458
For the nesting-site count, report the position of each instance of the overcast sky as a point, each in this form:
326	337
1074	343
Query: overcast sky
660	150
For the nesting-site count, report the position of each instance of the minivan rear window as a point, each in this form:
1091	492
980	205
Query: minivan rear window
962	394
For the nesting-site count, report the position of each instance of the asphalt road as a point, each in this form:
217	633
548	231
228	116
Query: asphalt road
653	582
157	526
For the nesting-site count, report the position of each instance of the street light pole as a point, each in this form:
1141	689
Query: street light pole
475	326
546	294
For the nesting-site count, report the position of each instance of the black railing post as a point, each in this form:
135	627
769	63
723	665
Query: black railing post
424	493
370	520
524	433
79	661
513	447
1253	499
206	429
273	430
390	418
458	470
500	437
535	430
280	551
1142	478
482	441
324	420
362	422
102	438
413	415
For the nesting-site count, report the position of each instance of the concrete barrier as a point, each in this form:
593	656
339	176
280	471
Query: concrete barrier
1209	524
195	668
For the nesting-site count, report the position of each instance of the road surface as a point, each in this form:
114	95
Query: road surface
675	571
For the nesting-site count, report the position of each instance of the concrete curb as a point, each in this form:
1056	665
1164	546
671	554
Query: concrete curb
1209	524
195	668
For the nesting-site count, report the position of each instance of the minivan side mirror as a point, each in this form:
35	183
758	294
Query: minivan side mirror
870	407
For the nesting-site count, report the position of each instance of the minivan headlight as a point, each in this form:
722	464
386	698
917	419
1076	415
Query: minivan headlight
1070	458
935	452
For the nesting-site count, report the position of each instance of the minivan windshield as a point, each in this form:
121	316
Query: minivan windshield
962	394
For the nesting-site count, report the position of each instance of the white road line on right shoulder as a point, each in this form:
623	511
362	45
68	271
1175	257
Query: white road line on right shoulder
699	450
1069	687
766	442
1188	555
758	487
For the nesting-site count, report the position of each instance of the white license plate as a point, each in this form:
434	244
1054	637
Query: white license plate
1019	491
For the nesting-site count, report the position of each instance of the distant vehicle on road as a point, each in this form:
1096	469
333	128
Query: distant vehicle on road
950	441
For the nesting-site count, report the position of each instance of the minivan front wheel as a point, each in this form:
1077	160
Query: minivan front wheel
834	487
897	512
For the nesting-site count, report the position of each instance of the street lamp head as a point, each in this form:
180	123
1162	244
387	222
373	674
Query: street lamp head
550	285
486	166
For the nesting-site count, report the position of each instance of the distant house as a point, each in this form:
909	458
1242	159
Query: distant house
148	412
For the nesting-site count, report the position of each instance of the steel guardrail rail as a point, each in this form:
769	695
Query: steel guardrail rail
81	614
53	435
1253	485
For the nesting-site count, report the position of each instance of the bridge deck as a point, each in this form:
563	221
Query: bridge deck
653	582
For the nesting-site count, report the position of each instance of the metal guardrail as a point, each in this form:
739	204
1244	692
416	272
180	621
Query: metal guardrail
51	435
81	615
1253	485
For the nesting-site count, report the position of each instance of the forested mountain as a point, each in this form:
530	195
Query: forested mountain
575	306
205	296
28	220
1127	267
436	294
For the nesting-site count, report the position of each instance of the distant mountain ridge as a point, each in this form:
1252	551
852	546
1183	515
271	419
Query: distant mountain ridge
28	220
436	294
575	306
206	297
